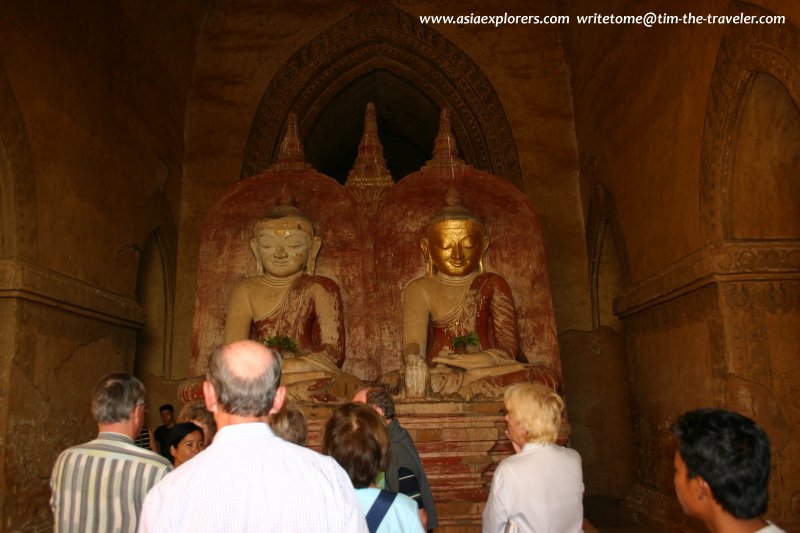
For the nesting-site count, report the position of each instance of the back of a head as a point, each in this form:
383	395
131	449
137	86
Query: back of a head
197	412
379	396
537	408
731	453
114	398
289	423
245	376
356	436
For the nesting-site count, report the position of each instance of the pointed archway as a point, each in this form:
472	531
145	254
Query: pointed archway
382	54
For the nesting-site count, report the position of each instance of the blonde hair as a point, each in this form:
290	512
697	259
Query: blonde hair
537	409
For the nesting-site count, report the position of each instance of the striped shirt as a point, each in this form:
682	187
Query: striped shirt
100	486
143	440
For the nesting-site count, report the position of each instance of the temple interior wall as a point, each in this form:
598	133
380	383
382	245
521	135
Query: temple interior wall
121	124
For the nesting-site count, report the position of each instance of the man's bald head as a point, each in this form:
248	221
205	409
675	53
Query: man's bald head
245	376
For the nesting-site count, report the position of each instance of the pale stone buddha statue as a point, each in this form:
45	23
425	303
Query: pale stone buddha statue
459	322
286	299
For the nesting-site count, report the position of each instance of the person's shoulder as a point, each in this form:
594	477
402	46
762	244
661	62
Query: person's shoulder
77	449
398	434
403	501
407	512
567	452
142	455
124	450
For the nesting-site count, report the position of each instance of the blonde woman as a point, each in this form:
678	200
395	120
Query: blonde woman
540	488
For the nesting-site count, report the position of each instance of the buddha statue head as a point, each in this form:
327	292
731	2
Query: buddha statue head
284	243
455	240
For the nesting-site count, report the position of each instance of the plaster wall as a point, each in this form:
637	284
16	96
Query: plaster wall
102	106
92	97
700	208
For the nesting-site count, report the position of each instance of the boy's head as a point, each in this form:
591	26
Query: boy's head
724	455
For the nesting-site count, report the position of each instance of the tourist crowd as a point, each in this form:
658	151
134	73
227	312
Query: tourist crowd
259	476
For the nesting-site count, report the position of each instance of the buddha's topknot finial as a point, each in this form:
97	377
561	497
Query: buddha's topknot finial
453	210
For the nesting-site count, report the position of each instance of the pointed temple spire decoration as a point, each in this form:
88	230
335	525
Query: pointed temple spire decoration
370	166
369	178
290	152
445	150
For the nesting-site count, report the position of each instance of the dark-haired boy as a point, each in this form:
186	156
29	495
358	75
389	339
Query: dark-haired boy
722	471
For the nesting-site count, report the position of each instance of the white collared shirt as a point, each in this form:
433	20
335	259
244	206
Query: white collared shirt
251	481
540	490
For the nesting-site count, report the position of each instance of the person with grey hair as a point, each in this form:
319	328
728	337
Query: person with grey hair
250	480
101	485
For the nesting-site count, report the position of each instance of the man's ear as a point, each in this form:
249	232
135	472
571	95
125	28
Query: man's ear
280	397
210	396
380	411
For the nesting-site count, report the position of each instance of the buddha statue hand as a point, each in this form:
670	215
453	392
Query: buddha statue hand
309	362
417	377
469	361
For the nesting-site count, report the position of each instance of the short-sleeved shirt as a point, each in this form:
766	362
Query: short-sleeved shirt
100	485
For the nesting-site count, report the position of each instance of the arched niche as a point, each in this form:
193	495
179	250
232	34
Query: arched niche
155	286
756	70
749	205
17	187
764	199
154	292
608	258
379	46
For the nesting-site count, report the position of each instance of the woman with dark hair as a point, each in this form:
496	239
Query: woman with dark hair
185	440
356	436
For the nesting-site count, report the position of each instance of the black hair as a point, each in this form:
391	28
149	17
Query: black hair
167	407
731	453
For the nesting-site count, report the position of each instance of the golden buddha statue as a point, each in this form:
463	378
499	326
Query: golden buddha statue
286	303
459	322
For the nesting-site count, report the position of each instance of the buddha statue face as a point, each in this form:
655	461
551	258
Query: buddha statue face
284	247
455	246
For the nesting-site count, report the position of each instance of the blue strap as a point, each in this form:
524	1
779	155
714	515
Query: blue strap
379	508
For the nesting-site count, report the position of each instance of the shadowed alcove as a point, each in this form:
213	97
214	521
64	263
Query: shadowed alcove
407	123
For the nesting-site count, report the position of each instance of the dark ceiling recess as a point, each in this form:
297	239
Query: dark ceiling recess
407	124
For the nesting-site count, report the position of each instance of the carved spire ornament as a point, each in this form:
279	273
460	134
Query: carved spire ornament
370	166
445	149
290	152
369	178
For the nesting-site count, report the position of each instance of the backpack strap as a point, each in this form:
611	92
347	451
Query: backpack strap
379	508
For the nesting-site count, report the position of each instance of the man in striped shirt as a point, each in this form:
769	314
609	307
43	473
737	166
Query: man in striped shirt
100	486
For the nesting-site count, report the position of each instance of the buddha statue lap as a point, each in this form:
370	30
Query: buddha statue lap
459	323
286	304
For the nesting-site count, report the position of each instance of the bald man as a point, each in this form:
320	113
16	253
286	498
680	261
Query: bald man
249	480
